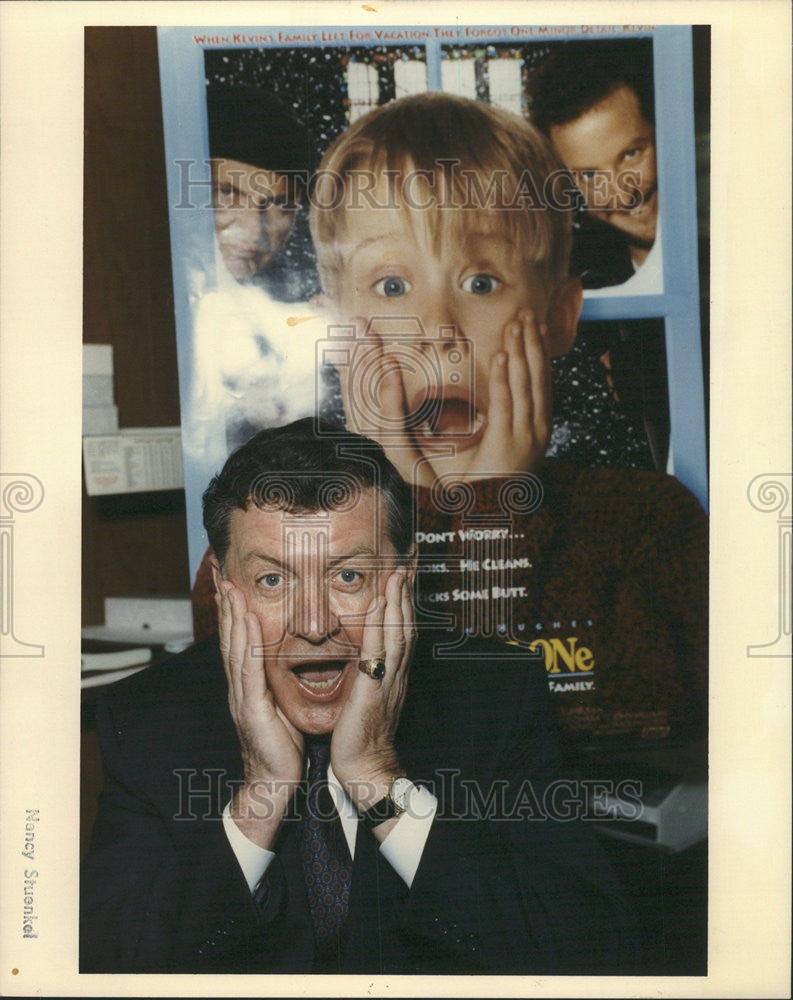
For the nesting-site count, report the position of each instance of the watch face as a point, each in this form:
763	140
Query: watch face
400	793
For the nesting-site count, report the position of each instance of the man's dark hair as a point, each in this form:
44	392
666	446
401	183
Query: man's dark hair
578	75
306	466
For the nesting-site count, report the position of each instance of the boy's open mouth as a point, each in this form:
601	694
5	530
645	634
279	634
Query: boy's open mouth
449	420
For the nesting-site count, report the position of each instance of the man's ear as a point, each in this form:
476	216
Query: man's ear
562	318
217	575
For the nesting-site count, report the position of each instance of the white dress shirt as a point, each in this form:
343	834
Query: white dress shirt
402	848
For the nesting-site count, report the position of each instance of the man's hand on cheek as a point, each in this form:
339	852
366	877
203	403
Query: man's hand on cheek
362	748
271	747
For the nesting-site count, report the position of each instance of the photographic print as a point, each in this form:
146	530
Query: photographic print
402	429
342	200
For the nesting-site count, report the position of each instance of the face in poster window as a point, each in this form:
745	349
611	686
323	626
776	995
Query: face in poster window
595	102
250	371
261	158
254	211
610	150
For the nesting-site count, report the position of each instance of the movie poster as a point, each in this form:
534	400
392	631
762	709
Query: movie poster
310	85
249	116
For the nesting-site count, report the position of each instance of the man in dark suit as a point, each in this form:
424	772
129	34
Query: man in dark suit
290	800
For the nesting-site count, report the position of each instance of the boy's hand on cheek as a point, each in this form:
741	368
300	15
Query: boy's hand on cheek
518	425
519	416
374	401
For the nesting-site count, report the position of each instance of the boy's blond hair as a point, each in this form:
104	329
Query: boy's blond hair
452	162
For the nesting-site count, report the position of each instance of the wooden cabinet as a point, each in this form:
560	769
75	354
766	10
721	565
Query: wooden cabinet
134	543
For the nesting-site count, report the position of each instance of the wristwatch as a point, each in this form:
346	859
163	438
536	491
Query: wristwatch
391	805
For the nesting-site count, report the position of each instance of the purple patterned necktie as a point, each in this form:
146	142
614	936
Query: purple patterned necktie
327	865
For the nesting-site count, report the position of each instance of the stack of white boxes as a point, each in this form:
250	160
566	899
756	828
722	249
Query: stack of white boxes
132	460
137	619
100	413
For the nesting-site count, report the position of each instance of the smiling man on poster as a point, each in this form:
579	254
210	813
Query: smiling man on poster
317	790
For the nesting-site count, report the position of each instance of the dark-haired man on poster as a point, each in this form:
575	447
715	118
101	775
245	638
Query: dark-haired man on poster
594	100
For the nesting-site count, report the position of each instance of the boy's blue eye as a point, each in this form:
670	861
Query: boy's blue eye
481	284
392	287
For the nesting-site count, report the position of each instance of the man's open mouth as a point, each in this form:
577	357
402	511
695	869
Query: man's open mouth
448	420
643	205
320	678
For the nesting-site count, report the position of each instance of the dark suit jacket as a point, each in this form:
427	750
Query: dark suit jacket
501	888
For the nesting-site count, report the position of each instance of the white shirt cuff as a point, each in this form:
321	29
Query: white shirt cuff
404	845
252	859
402	848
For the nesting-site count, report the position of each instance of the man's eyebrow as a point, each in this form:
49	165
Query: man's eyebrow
643	139
639	140
222	184
254	556
359	550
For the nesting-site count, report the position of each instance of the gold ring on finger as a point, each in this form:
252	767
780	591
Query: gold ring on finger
374	667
